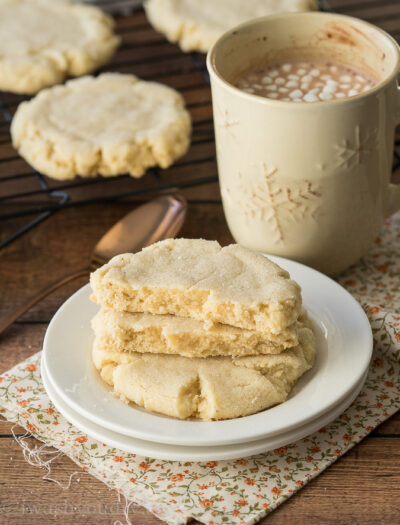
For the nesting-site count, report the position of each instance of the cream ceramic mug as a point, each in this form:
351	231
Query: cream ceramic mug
308	181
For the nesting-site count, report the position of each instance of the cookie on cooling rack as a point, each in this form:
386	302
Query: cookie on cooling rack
106	125
196	25
42	42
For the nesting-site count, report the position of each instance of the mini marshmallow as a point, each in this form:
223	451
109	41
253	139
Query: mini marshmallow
329	89
310	97
305	82
297	93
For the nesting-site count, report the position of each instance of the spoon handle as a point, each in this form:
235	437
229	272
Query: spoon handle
14	315
158	219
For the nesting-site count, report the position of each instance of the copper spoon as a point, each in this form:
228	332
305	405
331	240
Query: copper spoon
158	219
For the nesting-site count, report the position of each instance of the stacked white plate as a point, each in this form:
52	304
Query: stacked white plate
344	348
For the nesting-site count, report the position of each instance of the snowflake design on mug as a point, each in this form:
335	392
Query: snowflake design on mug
353	152
227	123
267	200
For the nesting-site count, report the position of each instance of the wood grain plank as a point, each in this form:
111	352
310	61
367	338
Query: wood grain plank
26	498
355	489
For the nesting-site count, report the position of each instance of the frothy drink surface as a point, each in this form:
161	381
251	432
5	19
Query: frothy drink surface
305	81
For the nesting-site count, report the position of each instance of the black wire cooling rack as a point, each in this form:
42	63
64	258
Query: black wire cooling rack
27	197
27	193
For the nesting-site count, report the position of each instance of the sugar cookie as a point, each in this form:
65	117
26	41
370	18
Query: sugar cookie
199	279
197	24
106	125
208	388
44	41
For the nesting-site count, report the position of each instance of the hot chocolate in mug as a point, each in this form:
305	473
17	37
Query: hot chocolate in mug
306	180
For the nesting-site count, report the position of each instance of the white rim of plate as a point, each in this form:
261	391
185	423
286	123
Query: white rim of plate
344	349
183	453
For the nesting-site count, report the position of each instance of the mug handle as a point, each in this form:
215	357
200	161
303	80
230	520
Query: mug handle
394	189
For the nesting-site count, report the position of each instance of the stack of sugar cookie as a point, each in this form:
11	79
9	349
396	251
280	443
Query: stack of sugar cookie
189	329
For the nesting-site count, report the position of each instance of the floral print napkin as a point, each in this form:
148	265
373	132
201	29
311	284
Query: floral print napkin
237	492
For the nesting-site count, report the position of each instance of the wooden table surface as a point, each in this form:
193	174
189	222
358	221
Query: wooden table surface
362	487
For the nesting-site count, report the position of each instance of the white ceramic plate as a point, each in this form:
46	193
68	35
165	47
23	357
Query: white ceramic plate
185	453
344	347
